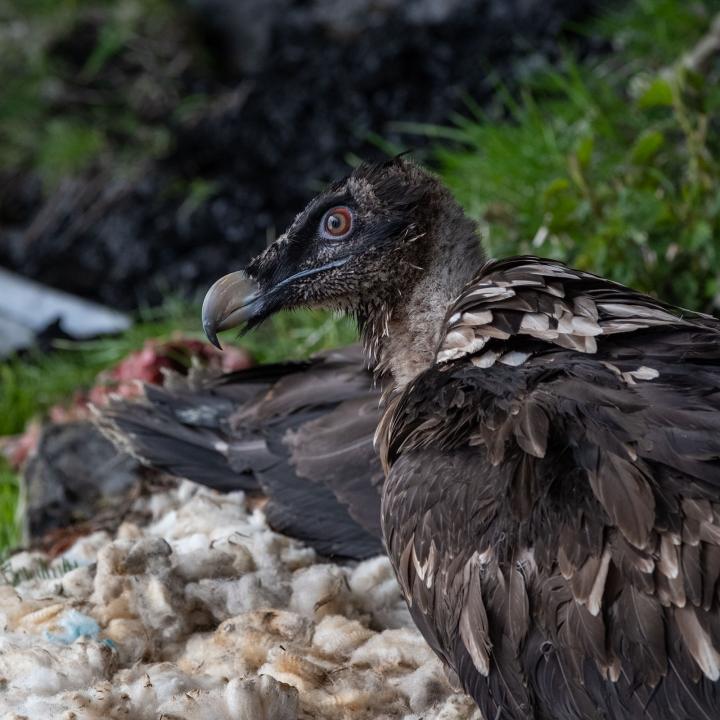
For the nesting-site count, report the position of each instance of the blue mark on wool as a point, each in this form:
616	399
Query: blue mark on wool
74	625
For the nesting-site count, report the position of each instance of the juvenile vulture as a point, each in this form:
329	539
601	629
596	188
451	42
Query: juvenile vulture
551	444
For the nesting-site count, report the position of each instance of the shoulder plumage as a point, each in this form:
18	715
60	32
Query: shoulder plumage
518	306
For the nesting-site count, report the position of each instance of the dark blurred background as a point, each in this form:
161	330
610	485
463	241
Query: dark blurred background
149	146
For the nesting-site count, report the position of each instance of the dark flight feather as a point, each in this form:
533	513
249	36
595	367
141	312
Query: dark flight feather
638	633
623	491
298	433
473	626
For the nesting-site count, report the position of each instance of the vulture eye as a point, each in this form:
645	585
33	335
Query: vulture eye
336	223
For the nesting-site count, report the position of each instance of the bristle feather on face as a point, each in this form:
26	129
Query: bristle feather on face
403	221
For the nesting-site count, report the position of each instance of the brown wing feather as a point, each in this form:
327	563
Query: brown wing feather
546	301
300	433
595	452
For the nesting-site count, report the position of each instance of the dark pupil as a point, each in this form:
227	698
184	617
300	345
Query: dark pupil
335	222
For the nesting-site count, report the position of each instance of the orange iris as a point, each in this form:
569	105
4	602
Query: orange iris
338	222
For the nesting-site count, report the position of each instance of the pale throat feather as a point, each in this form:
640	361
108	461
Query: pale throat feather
401	336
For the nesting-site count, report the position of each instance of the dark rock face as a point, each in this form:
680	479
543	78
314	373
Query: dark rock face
75	476
300	86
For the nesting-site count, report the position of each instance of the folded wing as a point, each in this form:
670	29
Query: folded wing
582	424
298	433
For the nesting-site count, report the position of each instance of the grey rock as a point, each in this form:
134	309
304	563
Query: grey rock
27	308
76	475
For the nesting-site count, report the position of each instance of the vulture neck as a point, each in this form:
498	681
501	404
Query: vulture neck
402	336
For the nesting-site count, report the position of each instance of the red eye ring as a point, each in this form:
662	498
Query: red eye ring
336	223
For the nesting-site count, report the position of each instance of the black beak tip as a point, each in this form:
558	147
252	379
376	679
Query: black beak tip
228	303
211	334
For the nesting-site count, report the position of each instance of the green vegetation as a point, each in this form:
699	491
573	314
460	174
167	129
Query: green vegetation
9	527
41	569
611	165
65	109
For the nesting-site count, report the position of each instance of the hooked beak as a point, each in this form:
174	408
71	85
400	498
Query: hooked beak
231	301
236	299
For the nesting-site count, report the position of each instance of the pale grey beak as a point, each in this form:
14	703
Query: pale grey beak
231	301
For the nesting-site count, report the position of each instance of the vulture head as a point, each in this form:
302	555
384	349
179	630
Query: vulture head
356	247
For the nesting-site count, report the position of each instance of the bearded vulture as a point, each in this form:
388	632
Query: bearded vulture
551	447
